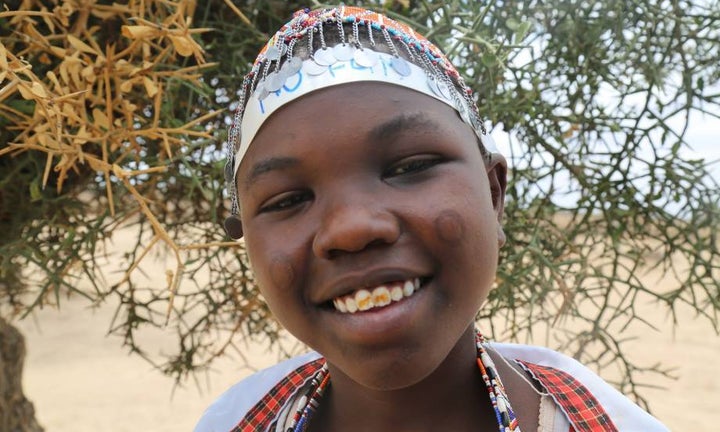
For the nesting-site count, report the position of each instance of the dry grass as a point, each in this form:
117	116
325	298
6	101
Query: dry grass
81	93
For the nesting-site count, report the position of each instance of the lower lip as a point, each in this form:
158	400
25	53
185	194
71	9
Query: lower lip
380	325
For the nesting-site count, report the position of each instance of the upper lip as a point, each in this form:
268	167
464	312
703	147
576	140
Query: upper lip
353	281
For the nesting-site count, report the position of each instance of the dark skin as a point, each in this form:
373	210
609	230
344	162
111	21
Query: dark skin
524	397
462	407
340	196
435	401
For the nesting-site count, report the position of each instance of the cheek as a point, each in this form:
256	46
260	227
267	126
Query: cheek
466	234
449	226
282	272
273	268
276	277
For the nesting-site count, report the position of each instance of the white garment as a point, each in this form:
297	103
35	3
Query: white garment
227	411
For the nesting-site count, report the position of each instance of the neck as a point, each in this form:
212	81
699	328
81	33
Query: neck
452	397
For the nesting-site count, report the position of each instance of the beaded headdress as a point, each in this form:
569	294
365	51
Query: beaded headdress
299	59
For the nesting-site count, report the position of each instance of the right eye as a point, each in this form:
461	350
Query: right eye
285	201
413	165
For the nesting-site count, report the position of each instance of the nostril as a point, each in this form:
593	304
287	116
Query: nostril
377	243
334	253
352	229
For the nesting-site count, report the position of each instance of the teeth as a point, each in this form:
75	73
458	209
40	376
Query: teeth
396	293
383	295
340	305
408	289
364	300
350	305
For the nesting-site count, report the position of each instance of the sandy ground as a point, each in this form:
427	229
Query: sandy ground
81	380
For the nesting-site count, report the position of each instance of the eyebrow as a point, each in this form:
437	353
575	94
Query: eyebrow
267	165
382	132
400	123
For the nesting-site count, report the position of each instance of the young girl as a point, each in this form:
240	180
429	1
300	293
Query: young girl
370	199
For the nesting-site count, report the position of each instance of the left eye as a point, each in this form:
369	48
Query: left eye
412	165
285	201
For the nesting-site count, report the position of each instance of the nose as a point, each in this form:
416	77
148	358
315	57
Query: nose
350	227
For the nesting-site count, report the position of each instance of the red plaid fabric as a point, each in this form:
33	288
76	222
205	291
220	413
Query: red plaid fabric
583	410
262	415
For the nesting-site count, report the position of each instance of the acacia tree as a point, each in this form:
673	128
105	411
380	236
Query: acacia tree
114	116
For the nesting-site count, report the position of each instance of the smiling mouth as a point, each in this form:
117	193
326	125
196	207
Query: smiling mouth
377	297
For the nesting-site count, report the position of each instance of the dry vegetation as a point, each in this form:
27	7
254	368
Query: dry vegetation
93	103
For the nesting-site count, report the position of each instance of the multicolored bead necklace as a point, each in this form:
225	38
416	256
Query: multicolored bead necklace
507	422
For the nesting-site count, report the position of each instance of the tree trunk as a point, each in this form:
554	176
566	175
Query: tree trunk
16	412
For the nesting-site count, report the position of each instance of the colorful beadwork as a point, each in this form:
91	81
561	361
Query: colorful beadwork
507	421
504	414
308	404
305	20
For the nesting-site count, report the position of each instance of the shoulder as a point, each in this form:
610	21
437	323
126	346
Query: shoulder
232	406
626	415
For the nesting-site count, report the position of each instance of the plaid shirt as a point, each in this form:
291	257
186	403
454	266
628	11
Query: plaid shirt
579	405
263	414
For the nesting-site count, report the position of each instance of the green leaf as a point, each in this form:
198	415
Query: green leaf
489	59
35	191
522	31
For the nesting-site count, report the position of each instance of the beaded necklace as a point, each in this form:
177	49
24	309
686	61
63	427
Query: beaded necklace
308	404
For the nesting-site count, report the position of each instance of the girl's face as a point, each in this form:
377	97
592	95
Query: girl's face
367	188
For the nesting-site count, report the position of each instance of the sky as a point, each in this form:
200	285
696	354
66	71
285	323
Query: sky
702	137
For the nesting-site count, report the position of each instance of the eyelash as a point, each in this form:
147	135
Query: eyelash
285	201
412	166
290	200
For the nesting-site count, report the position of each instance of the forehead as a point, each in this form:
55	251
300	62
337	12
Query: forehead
364	110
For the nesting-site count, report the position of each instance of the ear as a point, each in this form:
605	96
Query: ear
496	168
233	227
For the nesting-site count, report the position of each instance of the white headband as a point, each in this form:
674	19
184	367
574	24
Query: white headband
331	67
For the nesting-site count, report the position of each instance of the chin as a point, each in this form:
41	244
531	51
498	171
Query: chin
392	369
397	376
